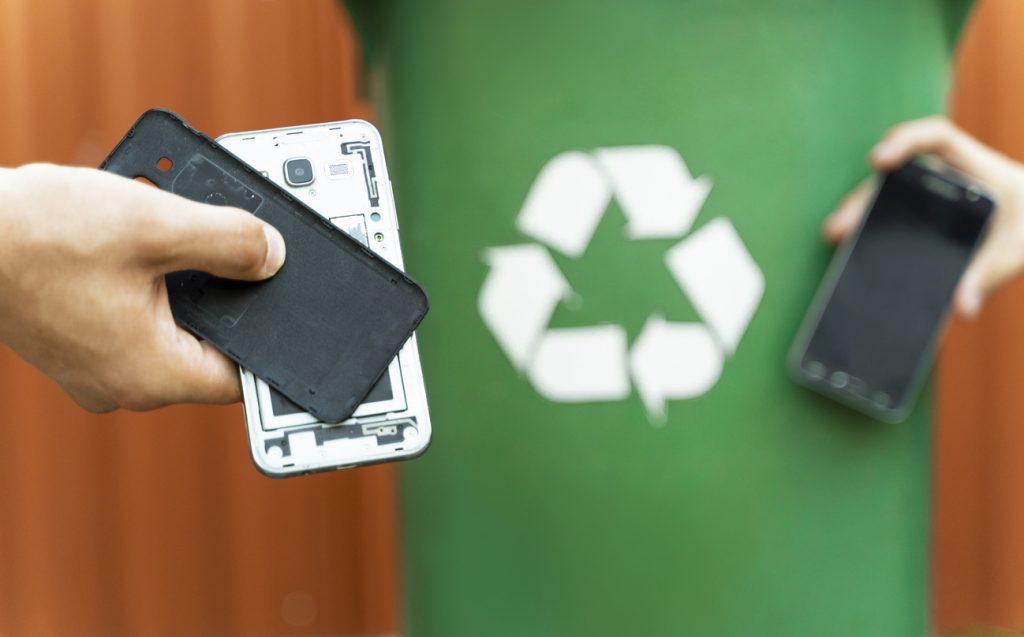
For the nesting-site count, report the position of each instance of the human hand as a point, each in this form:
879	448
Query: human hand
83	255
1001	256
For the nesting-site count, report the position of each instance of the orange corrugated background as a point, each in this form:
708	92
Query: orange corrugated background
158	524
978	565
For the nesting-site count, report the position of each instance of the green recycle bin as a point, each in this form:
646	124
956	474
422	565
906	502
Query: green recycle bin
616	207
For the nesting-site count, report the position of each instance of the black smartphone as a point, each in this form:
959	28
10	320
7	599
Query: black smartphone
870	335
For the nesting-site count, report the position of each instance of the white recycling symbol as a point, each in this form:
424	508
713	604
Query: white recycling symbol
660	199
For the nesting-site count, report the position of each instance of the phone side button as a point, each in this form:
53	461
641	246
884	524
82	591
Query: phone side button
391	192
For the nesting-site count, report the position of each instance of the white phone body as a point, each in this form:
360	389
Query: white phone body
350	187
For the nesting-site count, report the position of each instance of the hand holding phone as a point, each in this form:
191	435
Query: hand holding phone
869	336
1000	258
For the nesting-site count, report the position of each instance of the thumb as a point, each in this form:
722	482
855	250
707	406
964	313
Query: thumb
226	242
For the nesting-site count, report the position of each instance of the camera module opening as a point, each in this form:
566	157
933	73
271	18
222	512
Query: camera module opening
298	171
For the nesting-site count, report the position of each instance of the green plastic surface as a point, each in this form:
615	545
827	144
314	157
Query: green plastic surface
758	508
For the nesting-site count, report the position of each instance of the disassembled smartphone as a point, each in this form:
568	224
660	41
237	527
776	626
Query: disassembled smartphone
338	169
870	334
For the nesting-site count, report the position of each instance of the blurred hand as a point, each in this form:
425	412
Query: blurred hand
1001	256
82	294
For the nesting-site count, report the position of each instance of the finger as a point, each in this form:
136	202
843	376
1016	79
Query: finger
994	265
967	299
931	135
844	220
224	241
198	373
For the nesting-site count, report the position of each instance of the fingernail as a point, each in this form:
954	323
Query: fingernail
275	249
970	302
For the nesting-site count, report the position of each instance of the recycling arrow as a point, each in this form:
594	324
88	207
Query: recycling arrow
658	195
581	364
673	361
565	203
718	275
519	296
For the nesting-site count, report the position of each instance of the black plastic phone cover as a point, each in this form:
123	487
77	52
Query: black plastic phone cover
326	326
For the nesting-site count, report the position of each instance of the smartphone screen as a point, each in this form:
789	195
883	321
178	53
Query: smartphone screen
879	317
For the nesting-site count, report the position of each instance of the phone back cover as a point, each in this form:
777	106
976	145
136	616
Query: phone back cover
326	326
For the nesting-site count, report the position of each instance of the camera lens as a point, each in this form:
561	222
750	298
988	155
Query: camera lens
298	172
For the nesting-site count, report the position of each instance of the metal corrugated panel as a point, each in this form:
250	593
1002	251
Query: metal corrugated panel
978	567
158	524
